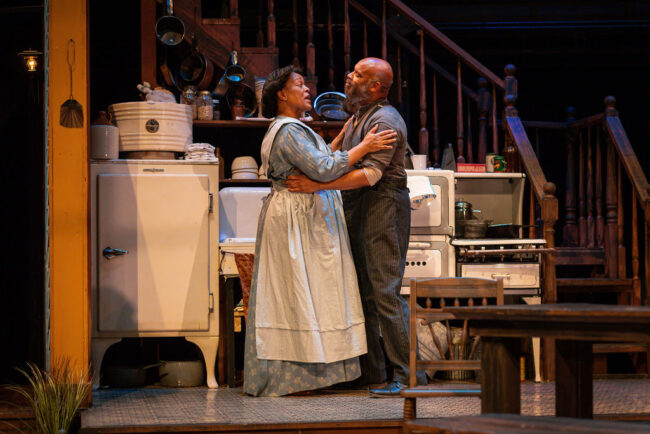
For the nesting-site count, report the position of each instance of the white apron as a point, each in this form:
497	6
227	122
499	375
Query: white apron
307	305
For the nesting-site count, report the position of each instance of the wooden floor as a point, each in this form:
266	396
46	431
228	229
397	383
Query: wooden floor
229	410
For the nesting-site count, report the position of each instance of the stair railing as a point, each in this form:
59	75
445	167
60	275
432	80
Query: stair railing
601	167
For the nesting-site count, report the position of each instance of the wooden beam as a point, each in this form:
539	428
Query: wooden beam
69	294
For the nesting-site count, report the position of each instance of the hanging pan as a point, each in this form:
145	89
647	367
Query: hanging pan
170	29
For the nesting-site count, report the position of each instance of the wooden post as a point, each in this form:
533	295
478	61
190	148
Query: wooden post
495	130
460	134
423	147
330	48
611	266
436	135
582	223
365	38
483	112
600	222
148	42
259	40
510	98
470	150
234	8
346	37
636	282
295	49
384	42
646	255
620	218
591	238
311	48
398	81
549	211
270	25
570	230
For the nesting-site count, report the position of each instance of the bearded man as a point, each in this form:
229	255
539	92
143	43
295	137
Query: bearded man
378	215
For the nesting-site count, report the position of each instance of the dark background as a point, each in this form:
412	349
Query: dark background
566	53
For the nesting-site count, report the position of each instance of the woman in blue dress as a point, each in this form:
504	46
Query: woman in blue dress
305	327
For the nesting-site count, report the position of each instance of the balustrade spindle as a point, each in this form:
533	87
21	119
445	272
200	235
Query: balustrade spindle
398	81
346	36
469	151
423	147
531	213
510	98
311	48
260	24
570	230
365	38
483	104
495	130
600	221
590	192
646	256
582	222
270	26
295	49
636	283
619	223
384	42
436	134
611	203
234	8
460	139
330	47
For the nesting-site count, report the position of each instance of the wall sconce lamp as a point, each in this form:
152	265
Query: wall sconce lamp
31	59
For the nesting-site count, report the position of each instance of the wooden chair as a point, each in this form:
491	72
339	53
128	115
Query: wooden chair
439	293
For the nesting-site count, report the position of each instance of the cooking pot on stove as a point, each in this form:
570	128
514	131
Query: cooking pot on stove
463	210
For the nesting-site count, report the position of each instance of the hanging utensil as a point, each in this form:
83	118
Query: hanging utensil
72	112
170	29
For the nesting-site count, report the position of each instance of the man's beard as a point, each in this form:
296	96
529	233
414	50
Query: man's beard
356	95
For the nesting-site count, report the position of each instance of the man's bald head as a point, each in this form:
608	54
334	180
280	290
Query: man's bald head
380	70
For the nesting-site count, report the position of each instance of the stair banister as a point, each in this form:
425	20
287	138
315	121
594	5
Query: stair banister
403	42
447	43
270	26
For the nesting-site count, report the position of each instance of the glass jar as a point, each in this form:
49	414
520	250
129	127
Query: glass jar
188	97
216	110
204	106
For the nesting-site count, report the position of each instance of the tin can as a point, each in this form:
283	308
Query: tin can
499	163
489	162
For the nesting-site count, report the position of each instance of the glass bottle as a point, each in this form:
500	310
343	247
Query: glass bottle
204	106
188	97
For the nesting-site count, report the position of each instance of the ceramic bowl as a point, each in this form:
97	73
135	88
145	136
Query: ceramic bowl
245	175
244	163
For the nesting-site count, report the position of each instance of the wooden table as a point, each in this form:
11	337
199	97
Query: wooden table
575	327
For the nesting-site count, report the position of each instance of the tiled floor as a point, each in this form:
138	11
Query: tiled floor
133	407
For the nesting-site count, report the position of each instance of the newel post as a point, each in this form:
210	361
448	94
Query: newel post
509	99
549	211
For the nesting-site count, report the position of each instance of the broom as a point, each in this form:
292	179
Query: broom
72	115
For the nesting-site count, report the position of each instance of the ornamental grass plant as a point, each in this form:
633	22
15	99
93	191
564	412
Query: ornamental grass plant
55	396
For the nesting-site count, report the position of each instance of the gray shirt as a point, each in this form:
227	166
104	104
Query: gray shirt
389	161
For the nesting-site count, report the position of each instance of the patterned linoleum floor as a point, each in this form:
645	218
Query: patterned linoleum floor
155	406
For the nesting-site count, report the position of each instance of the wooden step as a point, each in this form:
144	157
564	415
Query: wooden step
623	347
591	256
590	285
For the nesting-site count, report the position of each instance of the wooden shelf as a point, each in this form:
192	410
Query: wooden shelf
261	124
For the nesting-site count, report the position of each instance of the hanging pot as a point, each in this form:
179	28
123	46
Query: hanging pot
170	29
196	69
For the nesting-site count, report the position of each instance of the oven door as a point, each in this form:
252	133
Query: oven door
436	216
428	257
